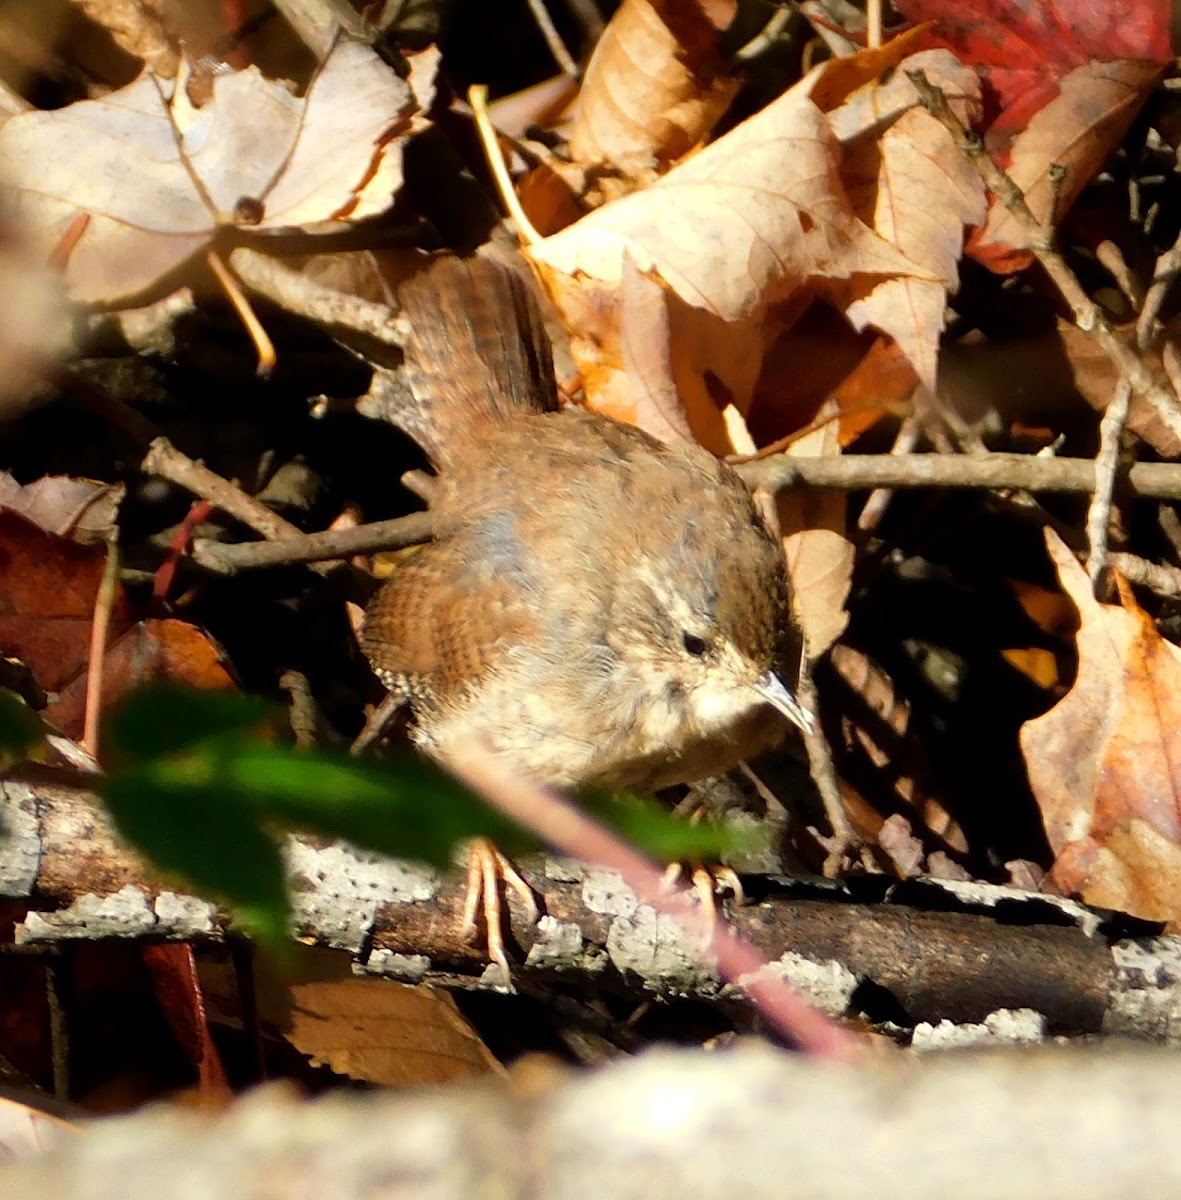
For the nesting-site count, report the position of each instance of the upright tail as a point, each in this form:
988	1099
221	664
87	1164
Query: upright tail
477	353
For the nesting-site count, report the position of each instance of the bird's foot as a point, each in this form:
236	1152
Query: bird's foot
706	884
489	875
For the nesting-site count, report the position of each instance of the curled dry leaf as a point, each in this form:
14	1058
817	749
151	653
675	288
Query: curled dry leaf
654	87
83	510
908	181
155	177
1105	762
753	221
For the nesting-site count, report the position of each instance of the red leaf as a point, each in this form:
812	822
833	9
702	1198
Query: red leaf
151	650
1021	50
47	589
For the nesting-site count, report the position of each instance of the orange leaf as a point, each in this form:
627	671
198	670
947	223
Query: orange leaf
1105	762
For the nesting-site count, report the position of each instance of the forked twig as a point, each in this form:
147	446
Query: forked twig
1088	316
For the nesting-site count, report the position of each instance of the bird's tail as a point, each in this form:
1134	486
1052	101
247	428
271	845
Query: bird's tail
477	353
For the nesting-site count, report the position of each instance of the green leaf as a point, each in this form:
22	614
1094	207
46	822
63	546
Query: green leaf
204	796
665	837
212	813
20	727
204	836
161	718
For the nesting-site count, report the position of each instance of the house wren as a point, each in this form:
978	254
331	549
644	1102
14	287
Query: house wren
596	606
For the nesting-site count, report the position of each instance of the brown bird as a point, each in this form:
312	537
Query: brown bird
596	607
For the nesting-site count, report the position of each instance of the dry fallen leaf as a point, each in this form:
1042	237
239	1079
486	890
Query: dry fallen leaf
909	182
151	650
1105	762
156	177
735	233
48	588
819	553
47	593
740	226
83	510
368	1029
1061	149
654	87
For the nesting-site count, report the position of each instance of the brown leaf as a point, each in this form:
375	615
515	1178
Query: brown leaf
158	177
1054	157
740	226
1105	762
47	591
149	651
909	182
654	87
1096	378
645	351
369	1029
736	233
819	554
83	510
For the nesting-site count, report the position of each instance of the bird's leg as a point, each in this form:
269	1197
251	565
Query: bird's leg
706	883
487	870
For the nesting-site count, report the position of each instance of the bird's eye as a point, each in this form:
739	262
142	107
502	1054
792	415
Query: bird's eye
694	645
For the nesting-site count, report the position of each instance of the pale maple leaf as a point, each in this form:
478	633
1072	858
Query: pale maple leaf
908	180
156	177
734	232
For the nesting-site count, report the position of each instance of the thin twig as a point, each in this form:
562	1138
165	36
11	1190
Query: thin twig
844	839
313	547
875	507
1111	432
1008	471
378	721
165	460
553	39
873	24
295	293
1170	526
263	346
162	458
104	604
477	96
1112	258
1163	275
1087	314
199	512
1163	580
766	37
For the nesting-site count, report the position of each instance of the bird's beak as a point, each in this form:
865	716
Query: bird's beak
771	688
